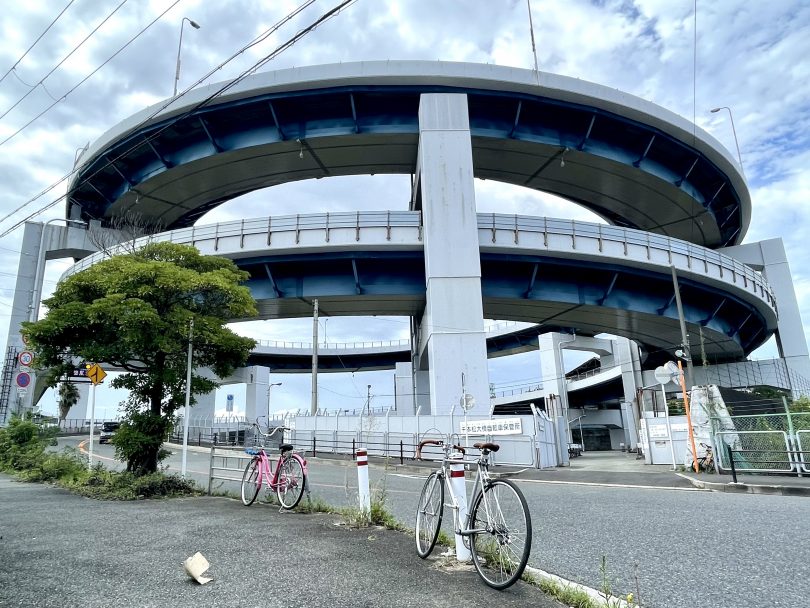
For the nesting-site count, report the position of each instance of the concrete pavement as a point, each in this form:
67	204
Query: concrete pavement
58	549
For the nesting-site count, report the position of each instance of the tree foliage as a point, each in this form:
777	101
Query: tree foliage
68	397
133	311
801	405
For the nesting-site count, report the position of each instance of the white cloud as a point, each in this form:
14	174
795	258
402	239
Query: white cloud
749	56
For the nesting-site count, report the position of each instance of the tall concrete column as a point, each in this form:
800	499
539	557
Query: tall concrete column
552	371
453	323
421	384
628	359
20	311
769	257
256	394
405	403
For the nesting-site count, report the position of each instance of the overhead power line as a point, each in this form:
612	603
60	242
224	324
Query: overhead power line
86	78
58	65
325	17
16	63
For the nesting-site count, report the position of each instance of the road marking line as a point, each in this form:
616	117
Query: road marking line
408	476
607	485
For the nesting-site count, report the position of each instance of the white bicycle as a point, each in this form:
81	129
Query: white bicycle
498	528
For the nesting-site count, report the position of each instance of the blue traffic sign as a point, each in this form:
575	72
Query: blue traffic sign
23	379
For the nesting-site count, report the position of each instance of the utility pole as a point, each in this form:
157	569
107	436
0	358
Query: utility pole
687	354
188	397
314	407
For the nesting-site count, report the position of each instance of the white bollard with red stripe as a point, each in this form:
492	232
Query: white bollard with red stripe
460	492
362	480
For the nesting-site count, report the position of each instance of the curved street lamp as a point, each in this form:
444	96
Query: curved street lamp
269	386
196	26
734	131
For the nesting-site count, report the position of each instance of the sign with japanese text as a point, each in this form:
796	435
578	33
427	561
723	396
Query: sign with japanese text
498	426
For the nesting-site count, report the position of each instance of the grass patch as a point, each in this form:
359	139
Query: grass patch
446	540
314	505
569	596
575	597
377	515
23	454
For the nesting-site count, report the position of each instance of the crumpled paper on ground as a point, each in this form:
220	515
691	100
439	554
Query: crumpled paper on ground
195	566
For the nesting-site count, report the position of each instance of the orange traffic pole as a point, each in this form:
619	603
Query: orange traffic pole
688	417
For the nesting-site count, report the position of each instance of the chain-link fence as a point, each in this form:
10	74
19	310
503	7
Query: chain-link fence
763	443
803	443
756	451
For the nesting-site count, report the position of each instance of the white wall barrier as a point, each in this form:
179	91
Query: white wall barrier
398	436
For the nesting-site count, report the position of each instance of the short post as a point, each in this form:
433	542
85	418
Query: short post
354	449
211	468
313	445
460	492
731	462
362	480
401	452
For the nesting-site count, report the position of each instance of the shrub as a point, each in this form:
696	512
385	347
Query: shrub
22	444
22	452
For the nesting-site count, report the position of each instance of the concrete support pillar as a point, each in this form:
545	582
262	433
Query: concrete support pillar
453	323
553	373
81	409
21	311
256	393
770	258
405	403
626	354
421	383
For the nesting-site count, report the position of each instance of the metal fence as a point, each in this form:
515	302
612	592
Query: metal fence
226	464
756	451
803	443
763	443
514	449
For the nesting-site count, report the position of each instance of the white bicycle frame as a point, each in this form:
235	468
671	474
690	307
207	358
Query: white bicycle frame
481	477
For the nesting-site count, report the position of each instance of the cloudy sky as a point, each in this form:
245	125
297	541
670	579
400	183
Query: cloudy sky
684	55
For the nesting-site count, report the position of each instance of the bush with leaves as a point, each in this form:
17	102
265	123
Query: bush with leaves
23	443
139	440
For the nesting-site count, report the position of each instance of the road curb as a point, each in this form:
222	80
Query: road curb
746	488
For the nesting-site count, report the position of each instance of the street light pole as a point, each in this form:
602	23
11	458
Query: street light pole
269	386
188	398
196	26
734	131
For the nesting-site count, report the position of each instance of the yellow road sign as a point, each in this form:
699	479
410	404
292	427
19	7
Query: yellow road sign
96	374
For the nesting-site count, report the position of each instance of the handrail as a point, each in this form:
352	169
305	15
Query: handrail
488	223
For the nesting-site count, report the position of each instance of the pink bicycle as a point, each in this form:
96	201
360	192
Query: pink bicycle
289	479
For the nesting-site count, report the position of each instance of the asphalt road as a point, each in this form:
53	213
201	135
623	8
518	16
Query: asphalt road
58	549
687	548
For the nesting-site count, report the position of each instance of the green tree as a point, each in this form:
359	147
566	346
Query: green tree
68	397
801	405
133	312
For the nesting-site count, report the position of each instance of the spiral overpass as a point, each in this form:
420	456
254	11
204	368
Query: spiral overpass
670	192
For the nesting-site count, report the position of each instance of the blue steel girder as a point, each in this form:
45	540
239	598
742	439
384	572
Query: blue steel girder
517	138
567	294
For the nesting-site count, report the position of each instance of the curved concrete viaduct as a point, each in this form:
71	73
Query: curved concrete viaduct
628	160
670	192
561	274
